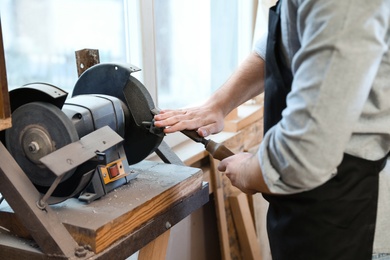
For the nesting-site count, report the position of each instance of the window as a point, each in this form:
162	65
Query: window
41	37
195	47
197	43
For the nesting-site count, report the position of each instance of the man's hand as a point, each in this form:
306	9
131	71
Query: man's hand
205	119
244	172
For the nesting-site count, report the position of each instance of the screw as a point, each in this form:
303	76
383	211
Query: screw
168	225
80	251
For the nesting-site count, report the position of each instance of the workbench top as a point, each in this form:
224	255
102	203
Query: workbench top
153	179
134	214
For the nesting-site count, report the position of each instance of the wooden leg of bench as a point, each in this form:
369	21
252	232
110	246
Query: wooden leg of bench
245	226
216	183
157	249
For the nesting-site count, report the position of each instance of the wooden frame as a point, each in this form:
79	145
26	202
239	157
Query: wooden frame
5	111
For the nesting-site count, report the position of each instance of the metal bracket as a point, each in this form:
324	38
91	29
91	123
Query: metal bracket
44	226
42	203
167	155
74	154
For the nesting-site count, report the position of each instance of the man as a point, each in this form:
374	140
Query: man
325	72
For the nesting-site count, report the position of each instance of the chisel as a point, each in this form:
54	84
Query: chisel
217	150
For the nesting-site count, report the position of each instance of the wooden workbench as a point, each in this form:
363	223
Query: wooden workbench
125	220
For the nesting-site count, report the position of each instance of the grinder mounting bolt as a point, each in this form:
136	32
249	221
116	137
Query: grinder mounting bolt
33	147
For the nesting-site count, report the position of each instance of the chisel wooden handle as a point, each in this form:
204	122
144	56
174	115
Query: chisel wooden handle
218	150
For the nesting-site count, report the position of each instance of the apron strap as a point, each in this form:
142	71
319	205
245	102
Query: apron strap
278	78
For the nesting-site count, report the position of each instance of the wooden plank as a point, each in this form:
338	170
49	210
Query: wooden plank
157	249
245	227
5	123
244	140
13	247
206	177
252	136
5	111
233	115
219	201
157	187
10	222
85	59
247	114
234	243
260	206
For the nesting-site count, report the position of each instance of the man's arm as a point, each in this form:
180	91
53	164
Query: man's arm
245	83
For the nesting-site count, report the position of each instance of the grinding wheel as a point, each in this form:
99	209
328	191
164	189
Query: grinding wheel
38	128
115	80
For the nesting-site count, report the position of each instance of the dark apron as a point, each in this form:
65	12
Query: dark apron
333	221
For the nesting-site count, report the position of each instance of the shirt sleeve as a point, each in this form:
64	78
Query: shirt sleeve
260	46
341	49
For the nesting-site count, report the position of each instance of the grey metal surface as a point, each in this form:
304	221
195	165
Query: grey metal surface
38	91
116	80
76	153
90	112
167	155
